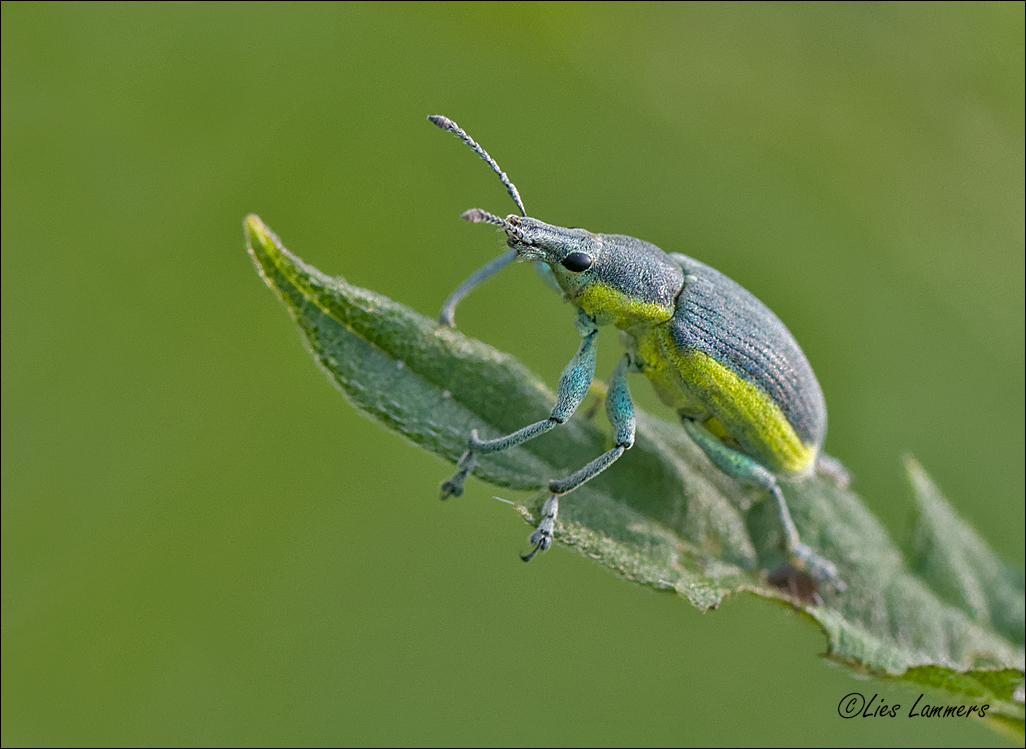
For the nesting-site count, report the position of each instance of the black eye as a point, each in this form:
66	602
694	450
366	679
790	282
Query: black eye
577	262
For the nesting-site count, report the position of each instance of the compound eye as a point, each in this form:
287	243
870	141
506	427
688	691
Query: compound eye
577	262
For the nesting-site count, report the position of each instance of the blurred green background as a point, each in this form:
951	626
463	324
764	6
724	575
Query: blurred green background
202	542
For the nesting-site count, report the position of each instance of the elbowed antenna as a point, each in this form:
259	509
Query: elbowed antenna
446	124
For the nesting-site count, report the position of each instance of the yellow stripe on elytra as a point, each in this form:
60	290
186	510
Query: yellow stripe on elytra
606	303
662	374
737	407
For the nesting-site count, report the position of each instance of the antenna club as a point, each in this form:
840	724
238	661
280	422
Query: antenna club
443	122
478	216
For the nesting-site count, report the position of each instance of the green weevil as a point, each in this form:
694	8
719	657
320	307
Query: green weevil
732	371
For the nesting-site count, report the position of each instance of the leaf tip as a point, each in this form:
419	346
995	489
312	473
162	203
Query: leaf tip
263	246
256	232
918	479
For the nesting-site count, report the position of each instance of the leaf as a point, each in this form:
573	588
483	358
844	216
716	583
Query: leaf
665	516
958	564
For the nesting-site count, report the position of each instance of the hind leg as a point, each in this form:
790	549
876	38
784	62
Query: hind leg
743	468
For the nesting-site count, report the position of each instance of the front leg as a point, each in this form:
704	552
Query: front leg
573	386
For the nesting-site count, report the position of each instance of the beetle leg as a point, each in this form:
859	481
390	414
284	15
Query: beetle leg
573	386
541	539
819	567
832	468
620	410
745	469
447	316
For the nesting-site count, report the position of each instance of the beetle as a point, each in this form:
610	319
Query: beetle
742	387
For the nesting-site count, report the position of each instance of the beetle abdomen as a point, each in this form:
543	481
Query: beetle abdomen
737	357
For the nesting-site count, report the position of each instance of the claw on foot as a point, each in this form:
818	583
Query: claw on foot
791	581
819	568
540	545
451	488
541	539
454	486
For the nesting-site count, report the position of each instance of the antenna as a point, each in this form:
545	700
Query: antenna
446	124
477	216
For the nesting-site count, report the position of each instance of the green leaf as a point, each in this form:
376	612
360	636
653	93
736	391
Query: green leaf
665	516
958	564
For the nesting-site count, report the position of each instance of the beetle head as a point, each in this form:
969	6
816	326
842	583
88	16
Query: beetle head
605	273
570	253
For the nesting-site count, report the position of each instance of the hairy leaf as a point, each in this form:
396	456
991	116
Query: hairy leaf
665	517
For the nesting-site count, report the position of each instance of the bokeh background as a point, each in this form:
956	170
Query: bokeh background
202	542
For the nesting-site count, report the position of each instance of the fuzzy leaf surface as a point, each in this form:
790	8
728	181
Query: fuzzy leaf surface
951	620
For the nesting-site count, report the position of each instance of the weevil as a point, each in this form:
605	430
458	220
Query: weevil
728	366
